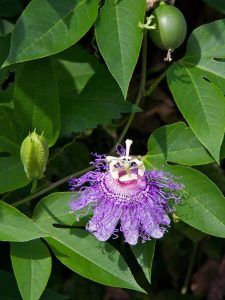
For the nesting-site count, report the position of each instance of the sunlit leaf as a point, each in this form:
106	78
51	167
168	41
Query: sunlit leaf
48	27
16	227
202	205
78	249
177	143
119	37
198	85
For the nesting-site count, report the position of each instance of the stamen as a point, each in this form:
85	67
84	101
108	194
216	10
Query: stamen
128	144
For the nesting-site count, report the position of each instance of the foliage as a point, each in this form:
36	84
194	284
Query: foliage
72	70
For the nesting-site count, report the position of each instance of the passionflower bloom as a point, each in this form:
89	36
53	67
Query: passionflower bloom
125	197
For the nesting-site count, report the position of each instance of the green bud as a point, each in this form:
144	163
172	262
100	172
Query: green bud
34	155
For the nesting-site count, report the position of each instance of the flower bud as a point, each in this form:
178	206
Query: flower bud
34	155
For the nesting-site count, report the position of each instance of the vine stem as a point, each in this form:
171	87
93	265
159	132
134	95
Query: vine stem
141	93
34	186
155	83
50	187
189	270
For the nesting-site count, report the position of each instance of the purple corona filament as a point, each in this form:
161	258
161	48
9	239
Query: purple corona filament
123	194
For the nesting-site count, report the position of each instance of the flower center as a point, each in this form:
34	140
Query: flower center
125	168
123	190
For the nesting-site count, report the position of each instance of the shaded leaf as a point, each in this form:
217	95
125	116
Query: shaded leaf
119	37
88	94
36	100
12	175
144	253
215	173
72	157
9	289
201	75
31	263
6	27
37	35
4	49
6	96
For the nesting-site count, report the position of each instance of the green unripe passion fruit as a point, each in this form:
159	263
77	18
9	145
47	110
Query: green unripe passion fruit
171	27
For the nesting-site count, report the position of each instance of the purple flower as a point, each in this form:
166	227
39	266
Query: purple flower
121	191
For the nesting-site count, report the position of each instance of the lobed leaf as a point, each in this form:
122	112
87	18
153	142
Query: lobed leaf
197	83
48	27
177	143
88	94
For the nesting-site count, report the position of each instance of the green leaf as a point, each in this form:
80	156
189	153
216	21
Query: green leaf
144	253
203	204
201	75
31	263
88	94
54	209
10	8
4	49
177	143
37	35
193	234
79	250
102	264
36	100
6	95
119	37
12	175
9	289
16	227
217	4
215	173
6	27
